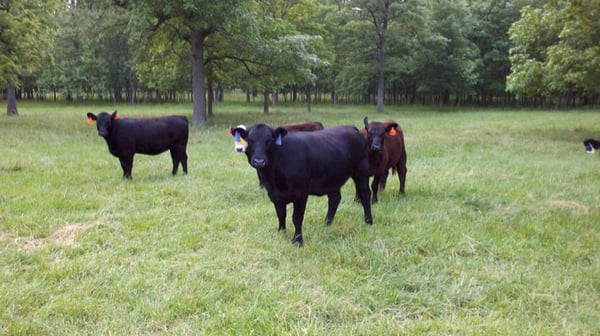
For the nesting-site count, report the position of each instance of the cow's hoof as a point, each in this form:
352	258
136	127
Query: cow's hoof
369	220
298	241
328	222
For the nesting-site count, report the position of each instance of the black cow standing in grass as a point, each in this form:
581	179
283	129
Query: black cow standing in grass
293	166
151	136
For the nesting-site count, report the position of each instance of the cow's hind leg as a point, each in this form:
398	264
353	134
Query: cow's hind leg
297	218
361	182
334	199
401	169
179	156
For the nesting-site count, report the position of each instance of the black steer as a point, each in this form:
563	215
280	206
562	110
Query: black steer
151	136
295	165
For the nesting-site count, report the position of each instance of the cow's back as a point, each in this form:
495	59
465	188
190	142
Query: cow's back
149	135
395	148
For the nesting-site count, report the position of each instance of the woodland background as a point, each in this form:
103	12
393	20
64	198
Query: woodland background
381	52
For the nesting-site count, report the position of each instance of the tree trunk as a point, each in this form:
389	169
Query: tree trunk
380	55
266	101
308	102
11	108
380	77
211	98
198	91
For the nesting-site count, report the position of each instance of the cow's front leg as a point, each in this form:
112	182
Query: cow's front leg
297	218
375	187
334	199
280	209
127	165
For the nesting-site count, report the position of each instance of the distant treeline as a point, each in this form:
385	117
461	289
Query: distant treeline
317	97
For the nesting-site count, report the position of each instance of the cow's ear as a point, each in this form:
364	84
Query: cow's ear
366	121
280	132
391	129
115	115
90	118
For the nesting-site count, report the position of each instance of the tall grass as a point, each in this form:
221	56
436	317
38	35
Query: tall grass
497	234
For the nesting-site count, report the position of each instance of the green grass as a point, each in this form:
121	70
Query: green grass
497	234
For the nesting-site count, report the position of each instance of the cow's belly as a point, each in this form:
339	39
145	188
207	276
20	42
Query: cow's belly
151	152
288	188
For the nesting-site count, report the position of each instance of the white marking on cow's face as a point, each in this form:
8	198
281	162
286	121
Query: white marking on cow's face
589	148
240	144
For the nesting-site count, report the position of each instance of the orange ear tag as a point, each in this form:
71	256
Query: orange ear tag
90	121
392	132
229	131
117	116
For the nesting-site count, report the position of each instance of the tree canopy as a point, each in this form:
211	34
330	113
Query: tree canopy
556	53
26	32
365	51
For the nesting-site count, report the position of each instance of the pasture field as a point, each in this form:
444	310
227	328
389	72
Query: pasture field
498	233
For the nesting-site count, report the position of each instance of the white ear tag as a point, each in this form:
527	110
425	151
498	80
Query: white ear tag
278	140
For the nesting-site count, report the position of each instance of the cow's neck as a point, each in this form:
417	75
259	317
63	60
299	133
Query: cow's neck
267	177
375	157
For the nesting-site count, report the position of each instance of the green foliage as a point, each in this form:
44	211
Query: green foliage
426	51
26	33
561	41
496	235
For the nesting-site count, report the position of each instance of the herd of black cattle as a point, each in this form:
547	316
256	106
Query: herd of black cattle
292	161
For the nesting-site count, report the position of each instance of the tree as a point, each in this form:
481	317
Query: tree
492	19
451	62
379	14
26	32
192	21
557	52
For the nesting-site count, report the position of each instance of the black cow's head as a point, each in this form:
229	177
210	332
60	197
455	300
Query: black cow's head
376	133
261	141
591	145
104	122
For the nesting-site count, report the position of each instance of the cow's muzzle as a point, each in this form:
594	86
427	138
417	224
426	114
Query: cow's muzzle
376	148
258	162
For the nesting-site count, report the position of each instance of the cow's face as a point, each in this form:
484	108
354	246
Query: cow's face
104	122
238	143
591	145
261	141
376	132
